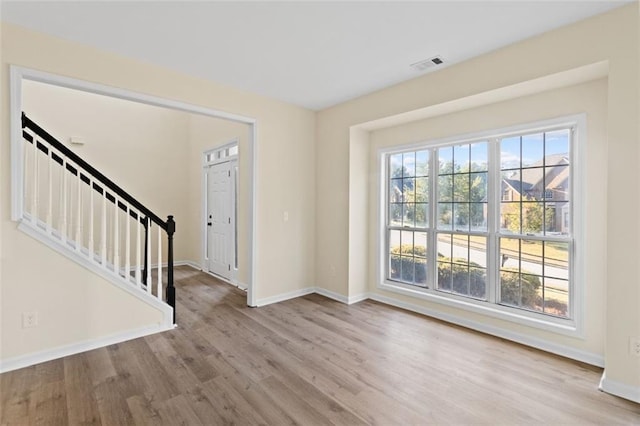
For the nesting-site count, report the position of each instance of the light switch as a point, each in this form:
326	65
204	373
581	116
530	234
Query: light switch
285	216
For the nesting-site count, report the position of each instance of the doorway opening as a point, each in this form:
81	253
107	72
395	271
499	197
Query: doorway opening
247	219
220	187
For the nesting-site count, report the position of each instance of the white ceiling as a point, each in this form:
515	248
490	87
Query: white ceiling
313	54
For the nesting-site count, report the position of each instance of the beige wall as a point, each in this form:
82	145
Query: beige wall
589	98
612	37
285	251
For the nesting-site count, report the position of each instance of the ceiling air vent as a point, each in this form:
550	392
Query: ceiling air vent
427	63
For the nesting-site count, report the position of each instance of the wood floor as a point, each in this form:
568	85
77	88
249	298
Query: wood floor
307	361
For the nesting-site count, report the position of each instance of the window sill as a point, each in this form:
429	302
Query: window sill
561	326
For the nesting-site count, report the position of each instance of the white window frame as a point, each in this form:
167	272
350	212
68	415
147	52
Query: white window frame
574	326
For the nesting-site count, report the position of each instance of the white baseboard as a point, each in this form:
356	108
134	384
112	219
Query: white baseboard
75	348
332	295
565	351
632	393
191	263
285	296
359	298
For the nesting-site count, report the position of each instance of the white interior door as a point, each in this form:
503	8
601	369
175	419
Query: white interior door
219	219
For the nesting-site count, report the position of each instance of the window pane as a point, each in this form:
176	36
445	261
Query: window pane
394	267
531	292
445	213
478	187
444	276
479	157
477	282
510	186
444	246
460	249
556	297
395	166
510	254
395	191
445	188
532	150
510	153
422	190
420	274
461	158
406	240
420	242
420	261
408	189
557	218
394	241
460	279
532	218
510	288
557	183
461	261
557	142
409	214
422	163
445	160
556	259
395	214
461	187
406	269
422	215
532	185
510	217
409	164
461	216
478	216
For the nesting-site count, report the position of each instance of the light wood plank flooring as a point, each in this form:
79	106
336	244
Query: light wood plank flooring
307	361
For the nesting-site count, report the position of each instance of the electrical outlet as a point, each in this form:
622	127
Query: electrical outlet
29	319
634	346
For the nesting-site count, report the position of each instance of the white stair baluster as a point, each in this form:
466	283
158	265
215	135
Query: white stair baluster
138	274
127	251
148	265
103	233
91	245
79	211
63	202
50	195
34	195
116	237
159	279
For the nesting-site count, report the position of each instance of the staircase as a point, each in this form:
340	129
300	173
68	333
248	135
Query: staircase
76	210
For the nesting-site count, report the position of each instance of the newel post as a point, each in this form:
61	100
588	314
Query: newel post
171	291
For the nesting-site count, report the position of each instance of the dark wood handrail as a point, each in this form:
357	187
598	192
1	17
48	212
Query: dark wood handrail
90	170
